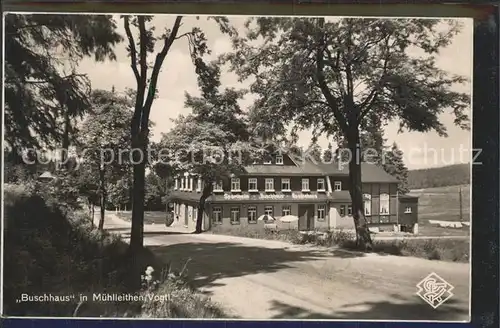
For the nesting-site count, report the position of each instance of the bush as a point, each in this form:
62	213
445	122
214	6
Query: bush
433	249
48	251
177	300
54	251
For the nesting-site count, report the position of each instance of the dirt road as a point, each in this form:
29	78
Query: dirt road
260	279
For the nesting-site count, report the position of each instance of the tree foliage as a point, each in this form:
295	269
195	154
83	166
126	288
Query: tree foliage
451	175
43	92
215	141
334	75
105	136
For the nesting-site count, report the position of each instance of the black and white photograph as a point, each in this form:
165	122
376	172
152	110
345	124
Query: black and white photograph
237	167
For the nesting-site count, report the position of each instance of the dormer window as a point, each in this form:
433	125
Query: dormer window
268	161
218	186
235	185
321	184
305	185
337	186
279	159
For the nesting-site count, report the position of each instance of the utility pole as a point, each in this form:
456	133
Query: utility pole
460	201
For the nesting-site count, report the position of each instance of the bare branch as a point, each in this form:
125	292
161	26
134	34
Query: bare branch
332	101
183	35
160	57
365	106
133	51
143	51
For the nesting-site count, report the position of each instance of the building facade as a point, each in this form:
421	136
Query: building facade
317	194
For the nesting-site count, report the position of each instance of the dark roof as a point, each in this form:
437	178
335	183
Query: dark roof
273	169
340	196
186	195
370	173
408	197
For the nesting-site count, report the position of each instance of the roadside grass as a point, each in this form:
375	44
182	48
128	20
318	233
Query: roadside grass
49	251
432	249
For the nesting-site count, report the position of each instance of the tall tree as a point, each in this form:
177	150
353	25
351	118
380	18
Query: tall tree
42	99
145	94
106	137
328	154
331	74
214	142
394	165
314	152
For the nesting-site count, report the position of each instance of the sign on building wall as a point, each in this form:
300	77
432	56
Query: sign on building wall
263	196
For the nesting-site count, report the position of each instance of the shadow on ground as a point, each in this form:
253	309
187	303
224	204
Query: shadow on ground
399	309
210	262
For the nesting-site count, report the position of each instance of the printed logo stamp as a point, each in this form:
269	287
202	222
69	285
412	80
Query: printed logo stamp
434	290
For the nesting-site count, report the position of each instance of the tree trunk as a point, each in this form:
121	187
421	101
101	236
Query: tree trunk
207	191
102	196
137	230
363	238
93	214
65	140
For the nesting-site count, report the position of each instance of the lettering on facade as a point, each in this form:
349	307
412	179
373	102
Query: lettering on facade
263	196
302	196
269	197
237	197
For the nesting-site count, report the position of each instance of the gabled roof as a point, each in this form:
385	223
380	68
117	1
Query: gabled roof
301	167
370	173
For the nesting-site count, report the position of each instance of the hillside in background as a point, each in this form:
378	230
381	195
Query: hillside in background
452	175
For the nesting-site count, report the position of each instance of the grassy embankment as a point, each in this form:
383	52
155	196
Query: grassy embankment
49	250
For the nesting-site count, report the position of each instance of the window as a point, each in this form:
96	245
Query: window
285	184
279	159
252	184
408	210
190	184
235	215
218	186
176	184
198	186
349	209
217	215
305	184
268	161
321	184
337	186
235	184
286	210
321	212
384	204
270	184
268	210
252	214
195	214
368	204
342	210
182	183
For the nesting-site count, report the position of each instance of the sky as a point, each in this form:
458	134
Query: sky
421	150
